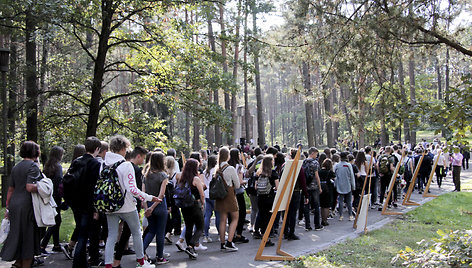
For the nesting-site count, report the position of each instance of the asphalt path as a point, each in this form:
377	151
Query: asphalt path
310	242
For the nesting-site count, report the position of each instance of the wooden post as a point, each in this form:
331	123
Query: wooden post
369	169
390	189
406	201
425	193
284	256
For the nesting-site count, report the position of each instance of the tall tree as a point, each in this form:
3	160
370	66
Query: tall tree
260	112
411	72
223	37
31	77
308	104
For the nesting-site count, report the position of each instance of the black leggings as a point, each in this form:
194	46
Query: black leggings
193	216
53	231
242	213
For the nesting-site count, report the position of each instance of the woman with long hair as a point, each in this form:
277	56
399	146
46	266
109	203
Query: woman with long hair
229	204
22	242
193	215
155	182
53	170
173	216
327	186
267	183
235	161
361	163
209	204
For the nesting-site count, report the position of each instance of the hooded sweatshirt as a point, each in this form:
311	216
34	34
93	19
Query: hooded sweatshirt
127	182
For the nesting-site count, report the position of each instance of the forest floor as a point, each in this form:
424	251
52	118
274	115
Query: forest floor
339	242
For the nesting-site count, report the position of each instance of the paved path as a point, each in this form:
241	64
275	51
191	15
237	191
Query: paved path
310	242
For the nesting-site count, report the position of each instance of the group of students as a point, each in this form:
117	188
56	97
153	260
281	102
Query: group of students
327	183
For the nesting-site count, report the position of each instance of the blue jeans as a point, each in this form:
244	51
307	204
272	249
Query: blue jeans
345	197
157	227
132	219
209	208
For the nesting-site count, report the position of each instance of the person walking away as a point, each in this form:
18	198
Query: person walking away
155	183
235	161
465	160
128	212
22	242
311	167
456	168
327	177
385	166
209	204
345	183
229	204
439	167
266	185
53	170
193	214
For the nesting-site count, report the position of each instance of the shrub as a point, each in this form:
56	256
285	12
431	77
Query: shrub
453	248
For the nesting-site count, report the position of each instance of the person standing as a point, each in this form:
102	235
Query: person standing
311	167
22	242
385	166
209	204
345	183
235	162
456	168
439	167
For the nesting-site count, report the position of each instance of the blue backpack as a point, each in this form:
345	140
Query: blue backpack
183	197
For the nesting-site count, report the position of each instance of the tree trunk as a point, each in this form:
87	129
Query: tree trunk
438	72
310	128
361	108
229	139
335	111
260	114
12	101
196	134
246	96
187	129
235	71
411	72
446	89
328	113
31	80
99	68
405	106
211	39
344	99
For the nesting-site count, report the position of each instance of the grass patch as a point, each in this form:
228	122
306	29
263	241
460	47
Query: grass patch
377	248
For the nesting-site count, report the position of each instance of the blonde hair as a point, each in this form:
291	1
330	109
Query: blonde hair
170	165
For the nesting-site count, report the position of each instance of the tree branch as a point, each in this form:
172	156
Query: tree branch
131	93
445	40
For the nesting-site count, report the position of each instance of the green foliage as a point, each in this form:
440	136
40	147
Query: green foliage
453	248
312	261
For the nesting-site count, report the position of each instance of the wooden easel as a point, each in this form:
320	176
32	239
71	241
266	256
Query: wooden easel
406	200
425	193
369	171
390	189
284	256
183	158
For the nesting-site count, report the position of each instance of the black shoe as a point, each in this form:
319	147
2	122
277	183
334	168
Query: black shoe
257	235
269	243
240	239
128	252
44	253
293	237
67	252
229	247
324	223
319	228
246	221
191	253
57	249
308	228
395	205
37	262
379	209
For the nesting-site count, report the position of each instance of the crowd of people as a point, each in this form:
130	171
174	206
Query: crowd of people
166	189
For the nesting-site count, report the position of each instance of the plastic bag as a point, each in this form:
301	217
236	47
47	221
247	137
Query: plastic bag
4	229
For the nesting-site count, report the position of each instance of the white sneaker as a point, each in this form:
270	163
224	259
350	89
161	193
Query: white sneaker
145	265
180	245
341	218
351	218
207	239
201	248
302	222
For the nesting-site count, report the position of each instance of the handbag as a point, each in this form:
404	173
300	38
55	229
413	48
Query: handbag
4	230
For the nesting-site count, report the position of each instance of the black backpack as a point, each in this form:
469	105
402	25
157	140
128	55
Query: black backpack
309	168
183	197
218	188
71	182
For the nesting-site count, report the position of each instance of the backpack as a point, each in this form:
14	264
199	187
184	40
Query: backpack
71	182
263	185
108	196
183	197
310	168
218	188
407	174
384	164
